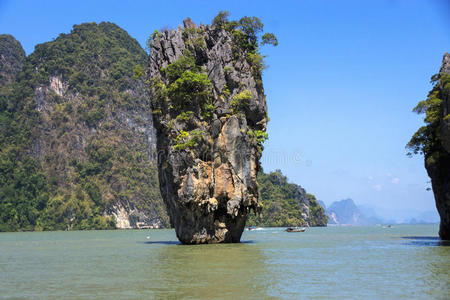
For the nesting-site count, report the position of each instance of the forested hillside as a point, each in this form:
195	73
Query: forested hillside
286	204
77	137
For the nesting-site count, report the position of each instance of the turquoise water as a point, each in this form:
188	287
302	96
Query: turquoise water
403	262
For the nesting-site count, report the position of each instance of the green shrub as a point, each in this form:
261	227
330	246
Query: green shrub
186	139
227	70
221	19
138	72
149	43
208	110
185	116
246	34
427	138
189	87
241	101
269	39
177	68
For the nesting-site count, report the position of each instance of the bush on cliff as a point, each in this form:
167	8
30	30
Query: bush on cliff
427	138
283	204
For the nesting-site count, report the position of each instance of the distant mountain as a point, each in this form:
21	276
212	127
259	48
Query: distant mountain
346	212
428	217
399	216
431	216
322	204
12	57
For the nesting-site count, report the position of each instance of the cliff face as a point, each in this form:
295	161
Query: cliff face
286	204
96	128
209	112
12	57
437	163
89	136
445	94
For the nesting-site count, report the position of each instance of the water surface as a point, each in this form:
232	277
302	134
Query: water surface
403	262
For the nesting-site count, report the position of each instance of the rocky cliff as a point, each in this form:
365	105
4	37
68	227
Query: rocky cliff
12	57
445	94
209	111
438	163
433	140
82	121
286	204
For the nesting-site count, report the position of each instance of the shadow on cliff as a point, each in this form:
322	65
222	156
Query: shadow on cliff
426	241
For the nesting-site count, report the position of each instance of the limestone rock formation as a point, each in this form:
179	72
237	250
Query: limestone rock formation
210	115
346	212
286	204
80	119
438	168
445	69
12	57
94	114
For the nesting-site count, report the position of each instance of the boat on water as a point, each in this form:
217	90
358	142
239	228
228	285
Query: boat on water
295	229
254	228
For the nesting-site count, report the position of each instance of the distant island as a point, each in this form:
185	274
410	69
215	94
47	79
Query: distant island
286	204
347	212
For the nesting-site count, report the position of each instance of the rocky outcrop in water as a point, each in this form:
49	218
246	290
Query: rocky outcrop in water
12	57
433	141
286	204
209	111
438	165
96	127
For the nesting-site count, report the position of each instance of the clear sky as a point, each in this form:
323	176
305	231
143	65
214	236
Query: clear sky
340	86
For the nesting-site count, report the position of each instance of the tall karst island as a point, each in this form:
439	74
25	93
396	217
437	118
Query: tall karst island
433	140
76	134
210	115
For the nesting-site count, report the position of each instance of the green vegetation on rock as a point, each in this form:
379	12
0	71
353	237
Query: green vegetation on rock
12	57
241	101
286	204
75	132
247	33
427	139
433	141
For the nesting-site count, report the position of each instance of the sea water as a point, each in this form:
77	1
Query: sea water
372	262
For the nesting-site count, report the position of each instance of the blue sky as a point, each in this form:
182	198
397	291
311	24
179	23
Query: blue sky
340	86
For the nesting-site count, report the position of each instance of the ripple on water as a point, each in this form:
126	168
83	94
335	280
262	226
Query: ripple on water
337	262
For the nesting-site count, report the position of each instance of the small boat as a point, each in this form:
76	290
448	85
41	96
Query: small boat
255	228
295	229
